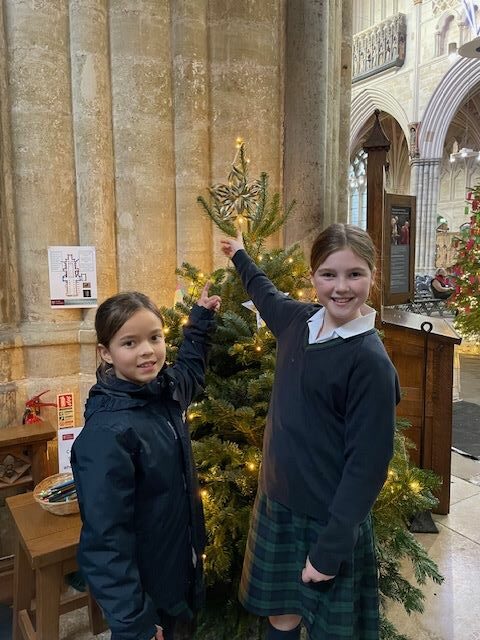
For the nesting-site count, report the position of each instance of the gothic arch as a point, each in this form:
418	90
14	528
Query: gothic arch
444	103
365	104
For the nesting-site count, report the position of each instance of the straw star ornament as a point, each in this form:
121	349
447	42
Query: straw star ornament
239	198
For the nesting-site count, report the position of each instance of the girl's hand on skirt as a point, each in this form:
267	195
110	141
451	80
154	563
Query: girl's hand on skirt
310	574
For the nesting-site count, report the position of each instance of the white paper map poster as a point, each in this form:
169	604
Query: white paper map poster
73	277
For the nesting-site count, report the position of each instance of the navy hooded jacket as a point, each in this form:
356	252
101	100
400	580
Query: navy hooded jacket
143	530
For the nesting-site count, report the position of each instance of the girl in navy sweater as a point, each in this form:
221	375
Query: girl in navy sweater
143	533
327	445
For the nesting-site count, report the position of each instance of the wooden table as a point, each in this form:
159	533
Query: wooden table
45	551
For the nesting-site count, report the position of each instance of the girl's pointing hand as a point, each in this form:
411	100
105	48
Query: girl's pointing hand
209	302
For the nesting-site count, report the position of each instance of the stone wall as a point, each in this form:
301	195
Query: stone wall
114	117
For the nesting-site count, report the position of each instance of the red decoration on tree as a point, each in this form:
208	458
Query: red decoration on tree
466	298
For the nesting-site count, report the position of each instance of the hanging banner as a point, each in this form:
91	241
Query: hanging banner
73	277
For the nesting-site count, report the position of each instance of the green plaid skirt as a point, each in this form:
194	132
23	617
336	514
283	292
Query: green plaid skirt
277	546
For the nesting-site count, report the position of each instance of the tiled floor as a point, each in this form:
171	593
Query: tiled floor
452	610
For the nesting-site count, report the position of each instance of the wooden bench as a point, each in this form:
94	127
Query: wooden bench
424	302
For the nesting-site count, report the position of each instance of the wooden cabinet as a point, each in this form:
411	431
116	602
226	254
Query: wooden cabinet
23	454
23	463
424	362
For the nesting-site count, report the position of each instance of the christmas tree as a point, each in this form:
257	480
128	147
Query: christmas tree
466	298
227	423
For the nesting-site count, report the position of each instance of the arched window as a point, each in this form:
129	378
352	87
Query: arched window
442	35
357	183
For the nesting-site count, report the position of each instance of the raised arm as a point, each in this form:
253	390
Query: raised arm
187	376
276	309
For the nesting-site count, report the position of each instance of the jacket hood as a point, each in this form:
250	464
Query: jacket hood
113	394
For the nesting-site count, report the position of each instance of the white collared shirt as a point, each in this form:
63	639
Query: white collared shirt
363	323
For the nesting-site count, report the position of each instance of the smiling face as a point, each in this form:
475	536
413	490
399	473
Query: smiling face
137	350
342	282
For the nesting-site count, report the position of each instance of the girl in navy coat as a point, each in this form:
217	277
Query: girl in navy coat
143	532
327	444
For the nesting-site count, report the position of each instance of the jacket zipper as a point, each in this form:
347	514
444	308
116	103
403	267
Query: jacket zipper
176	438
173	429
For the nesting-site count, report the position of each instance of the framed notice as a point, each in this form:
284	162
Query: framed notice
398	249
66	438
73	277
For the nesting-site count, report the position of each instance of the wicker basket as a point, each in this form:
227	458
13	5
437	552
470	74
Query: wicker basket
58	508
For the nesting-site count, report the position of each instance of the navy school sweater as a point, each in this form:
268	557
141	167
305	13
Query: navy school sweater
330	426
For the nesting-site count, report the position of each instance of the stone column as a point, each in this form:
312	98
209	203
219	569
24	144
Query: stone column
192	144
9	303
143	143
42	147
425	185
317	77
11	365
37	37
92	121
340	193
92	128
246	42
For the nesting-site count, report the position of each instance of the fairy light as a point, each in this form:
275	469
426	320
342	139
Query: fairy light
415	486
204	493
183	321
258	348
251	466
300	293
204	556
290	260
166	330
